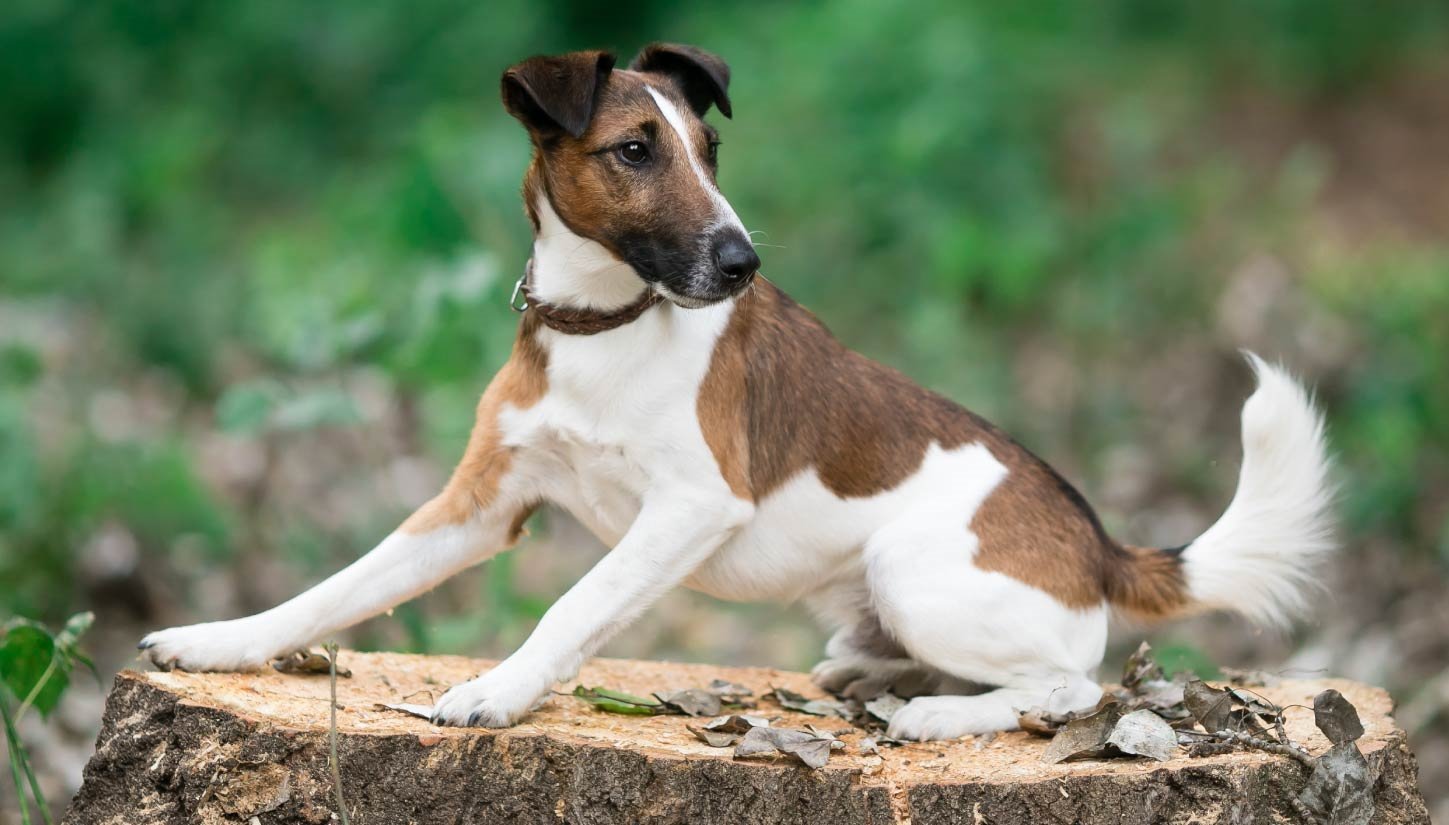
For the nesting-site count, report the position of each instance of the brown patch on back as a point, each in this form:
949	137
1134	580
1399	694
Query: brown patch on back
782	396
474	483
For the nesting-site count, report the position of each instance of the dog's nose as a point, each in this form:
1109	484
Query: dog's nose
735	258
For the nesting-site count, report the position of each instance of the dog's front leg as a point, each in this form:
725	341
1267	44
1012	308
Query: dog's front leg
477	515
406	564
672	536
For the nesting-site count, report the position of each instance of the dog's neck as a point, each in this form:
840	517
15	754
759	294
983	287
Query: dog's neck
575	272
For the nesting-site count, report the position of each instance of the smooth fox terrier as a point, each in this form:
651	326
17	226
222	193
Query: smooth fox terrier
715	435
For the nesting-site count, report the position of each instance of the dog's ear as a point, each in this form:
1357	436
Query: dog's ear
704	78
554	94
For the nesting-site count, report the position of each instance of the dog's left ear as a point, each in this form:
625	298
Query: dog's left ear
704	78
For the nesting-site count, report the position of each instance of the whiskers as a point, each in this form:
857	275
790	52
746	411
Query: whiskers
753	242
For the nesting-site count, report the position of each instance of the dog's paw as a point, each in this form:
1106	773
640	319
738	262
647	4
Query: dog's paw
927	718
214	646
493	700
836	675
865	679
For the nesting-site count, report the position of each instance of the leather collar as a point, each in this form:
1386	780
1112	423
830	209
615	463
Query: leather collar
579	321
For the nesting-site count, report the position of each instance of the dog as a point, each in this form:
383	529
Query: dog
715	435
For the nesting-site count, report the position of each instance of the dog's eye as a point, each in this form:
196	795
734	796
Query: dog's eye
634	153
713	152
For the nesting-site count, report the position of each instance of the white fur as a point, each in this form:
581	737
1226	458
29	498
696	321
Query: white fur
616	442
1259	559
573	271
724	213
402	567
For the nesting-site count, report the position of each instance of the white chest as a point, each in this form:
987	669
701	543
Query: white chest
620	416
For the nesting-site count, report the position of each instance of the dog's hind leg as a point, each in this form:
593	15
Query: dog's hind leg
977	625
863	661
479	514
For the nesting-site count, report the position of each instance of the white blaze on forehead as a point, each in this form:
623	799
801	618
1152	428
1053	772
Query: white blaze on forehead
724	213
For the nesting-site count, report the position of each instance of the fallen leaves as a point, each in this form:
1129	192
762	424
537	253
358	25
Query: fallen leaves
1144	733
1340	789
308	662
790	700
691	701
1151	714
617	701
727	730
1084	737
810	747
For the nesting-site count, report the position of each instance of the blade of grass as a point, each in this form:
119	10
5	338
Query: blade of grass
18	780
17	759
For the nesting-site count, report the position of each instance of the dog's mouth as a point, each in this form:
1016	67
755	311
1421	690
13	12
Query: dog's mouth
699	299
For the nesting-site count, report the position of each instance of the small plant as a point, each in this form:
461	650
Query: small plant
35	668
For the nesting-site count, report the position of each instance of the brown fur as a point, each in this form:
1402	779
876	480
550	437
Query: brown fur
600	200
474	484
782	395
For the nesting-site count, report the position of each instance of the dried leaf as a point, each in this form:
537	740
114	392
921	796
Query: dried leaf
1340	790
885	706
812	750
1141	668
420	711
715	738
691	701
1042	722
308	663
727	730
1084	737
829	734
1211	707
1163	698
1256	705
736	723
814	753
790	700
1336	717
731	693
1144	733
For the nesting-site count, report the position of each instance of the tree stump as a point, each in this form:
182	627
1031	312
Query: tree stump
253	748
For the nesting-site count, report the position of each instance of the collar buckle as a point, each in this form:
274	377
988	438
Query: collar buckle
513	300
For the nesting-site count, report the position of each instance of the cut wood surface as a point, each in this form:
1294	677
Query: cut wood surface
252	748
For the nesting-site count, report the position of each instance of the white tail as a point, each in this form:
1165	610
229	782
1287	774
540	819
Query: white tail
1259	559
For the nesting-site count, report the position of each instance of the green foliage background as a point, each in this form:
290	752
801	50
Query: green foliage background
279	236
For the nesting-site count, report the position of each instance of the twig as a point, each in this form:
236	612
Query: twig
1258	743
331	648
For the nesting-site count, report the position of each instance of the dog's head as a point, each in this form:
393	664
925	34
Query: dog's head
625	159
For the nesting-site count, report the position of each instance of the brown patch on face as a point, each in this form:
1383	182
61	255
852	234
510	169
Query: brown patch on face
475	481
783	396
652	216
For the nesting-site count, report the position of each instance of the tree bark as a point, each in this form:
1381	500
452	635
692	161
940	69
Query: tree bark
252	748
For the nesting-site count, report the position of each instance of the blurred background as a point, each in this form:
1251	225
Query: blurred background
255	261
